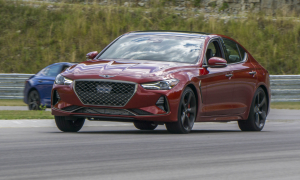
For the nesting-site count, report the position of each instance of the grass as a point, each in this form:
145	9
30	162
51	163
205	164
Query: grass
12	102
6	115
285	105
33	37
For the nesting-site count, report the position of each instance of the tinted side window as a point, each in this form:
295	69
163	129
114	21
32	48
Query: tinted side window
232	51
51	71
243	52
54	70
213	50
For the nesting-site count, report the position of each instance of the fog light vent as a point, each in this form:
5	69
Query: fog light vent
57	95
55	98
162	103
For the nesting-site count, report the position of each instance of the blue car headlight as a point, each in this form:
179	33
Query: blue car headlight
61	80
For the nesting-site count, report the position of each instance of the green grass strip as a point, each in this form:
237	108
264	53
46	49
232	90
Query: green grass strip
12	102
285	105
6	115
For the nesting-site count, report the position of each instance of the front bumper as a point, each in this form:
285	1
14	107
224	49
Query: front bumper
142	106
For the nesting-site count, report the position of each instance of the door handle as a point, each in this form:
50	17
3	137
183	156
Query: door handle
252	72
40	81
229	75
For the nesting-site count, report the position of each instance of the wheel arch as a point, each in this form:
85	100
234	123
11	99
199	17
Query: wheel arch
192	86
33	89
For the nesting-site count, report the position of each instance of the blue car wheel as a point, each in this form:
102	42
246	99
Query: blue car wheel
34	100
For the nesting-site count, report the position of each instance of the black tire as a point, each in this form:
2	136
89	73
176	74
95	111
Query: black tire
68	125
145	125
34	100
258	113
187	112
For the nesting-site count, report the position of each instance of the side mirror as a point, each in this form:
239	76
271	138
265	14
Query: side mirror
216	62
91	55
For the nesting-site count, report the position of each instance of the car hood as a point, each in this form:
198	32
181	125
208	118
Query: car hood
125	68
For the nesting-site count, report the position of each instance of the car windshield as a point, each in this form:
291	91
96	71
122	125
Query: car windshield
156	48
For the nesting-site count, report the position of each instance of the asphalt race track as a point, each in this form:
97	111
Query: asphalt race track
211	151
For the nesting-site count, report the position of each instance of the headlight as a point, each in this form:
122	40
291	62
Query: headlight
62	80
161	85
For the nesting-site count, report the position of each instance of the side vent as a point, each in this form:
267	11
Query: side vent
55	98
162	103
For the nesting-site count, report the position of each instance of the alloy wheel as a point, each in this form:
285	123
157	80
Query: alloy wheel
34	100
260	109
188	110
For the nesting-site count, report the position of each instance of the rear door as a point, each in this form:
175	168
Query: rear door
244	76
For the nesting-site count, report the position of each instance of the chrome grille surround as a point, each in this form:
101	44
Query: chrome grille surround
104	92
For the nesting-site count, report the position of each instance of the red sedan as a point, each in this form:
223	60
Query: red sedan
162	77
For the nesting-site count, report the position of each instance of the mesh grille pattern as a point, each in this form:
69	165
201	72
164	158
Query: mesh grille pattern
70	108
104	93
104	111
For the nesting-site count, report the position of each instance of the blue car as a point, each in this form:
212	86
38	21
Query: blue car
38	87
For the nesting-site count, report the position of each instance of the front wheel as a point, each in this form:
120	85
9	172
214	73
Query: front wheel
258	113
68	125
34	101
186	113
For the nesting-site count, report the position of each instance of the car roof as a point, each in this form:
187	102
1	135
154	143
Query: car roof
175	33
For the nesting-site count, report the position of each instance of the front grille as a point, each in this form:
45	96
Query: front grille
104	93
104	111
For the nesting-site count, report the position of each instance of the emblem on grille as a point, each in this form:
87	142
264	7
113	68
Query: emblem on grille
103	89
106	76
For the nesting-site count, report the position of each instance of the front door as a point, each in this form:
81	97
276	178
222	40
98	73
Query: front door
217	85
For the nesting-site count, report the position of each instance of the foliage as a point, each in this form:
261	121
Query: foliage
224	6
197	3
213	4
33	37
42	107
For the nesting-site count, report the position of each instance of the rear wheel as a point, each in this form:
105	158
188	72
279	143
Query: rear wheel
258	113
145	125
34	101
186	113
68	125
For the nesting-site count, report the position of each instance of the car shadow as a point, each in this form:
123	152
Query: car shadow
155	132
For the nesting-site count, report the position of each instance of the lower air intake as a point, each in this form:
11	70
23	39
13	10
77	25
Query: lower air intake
104	111
140	112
